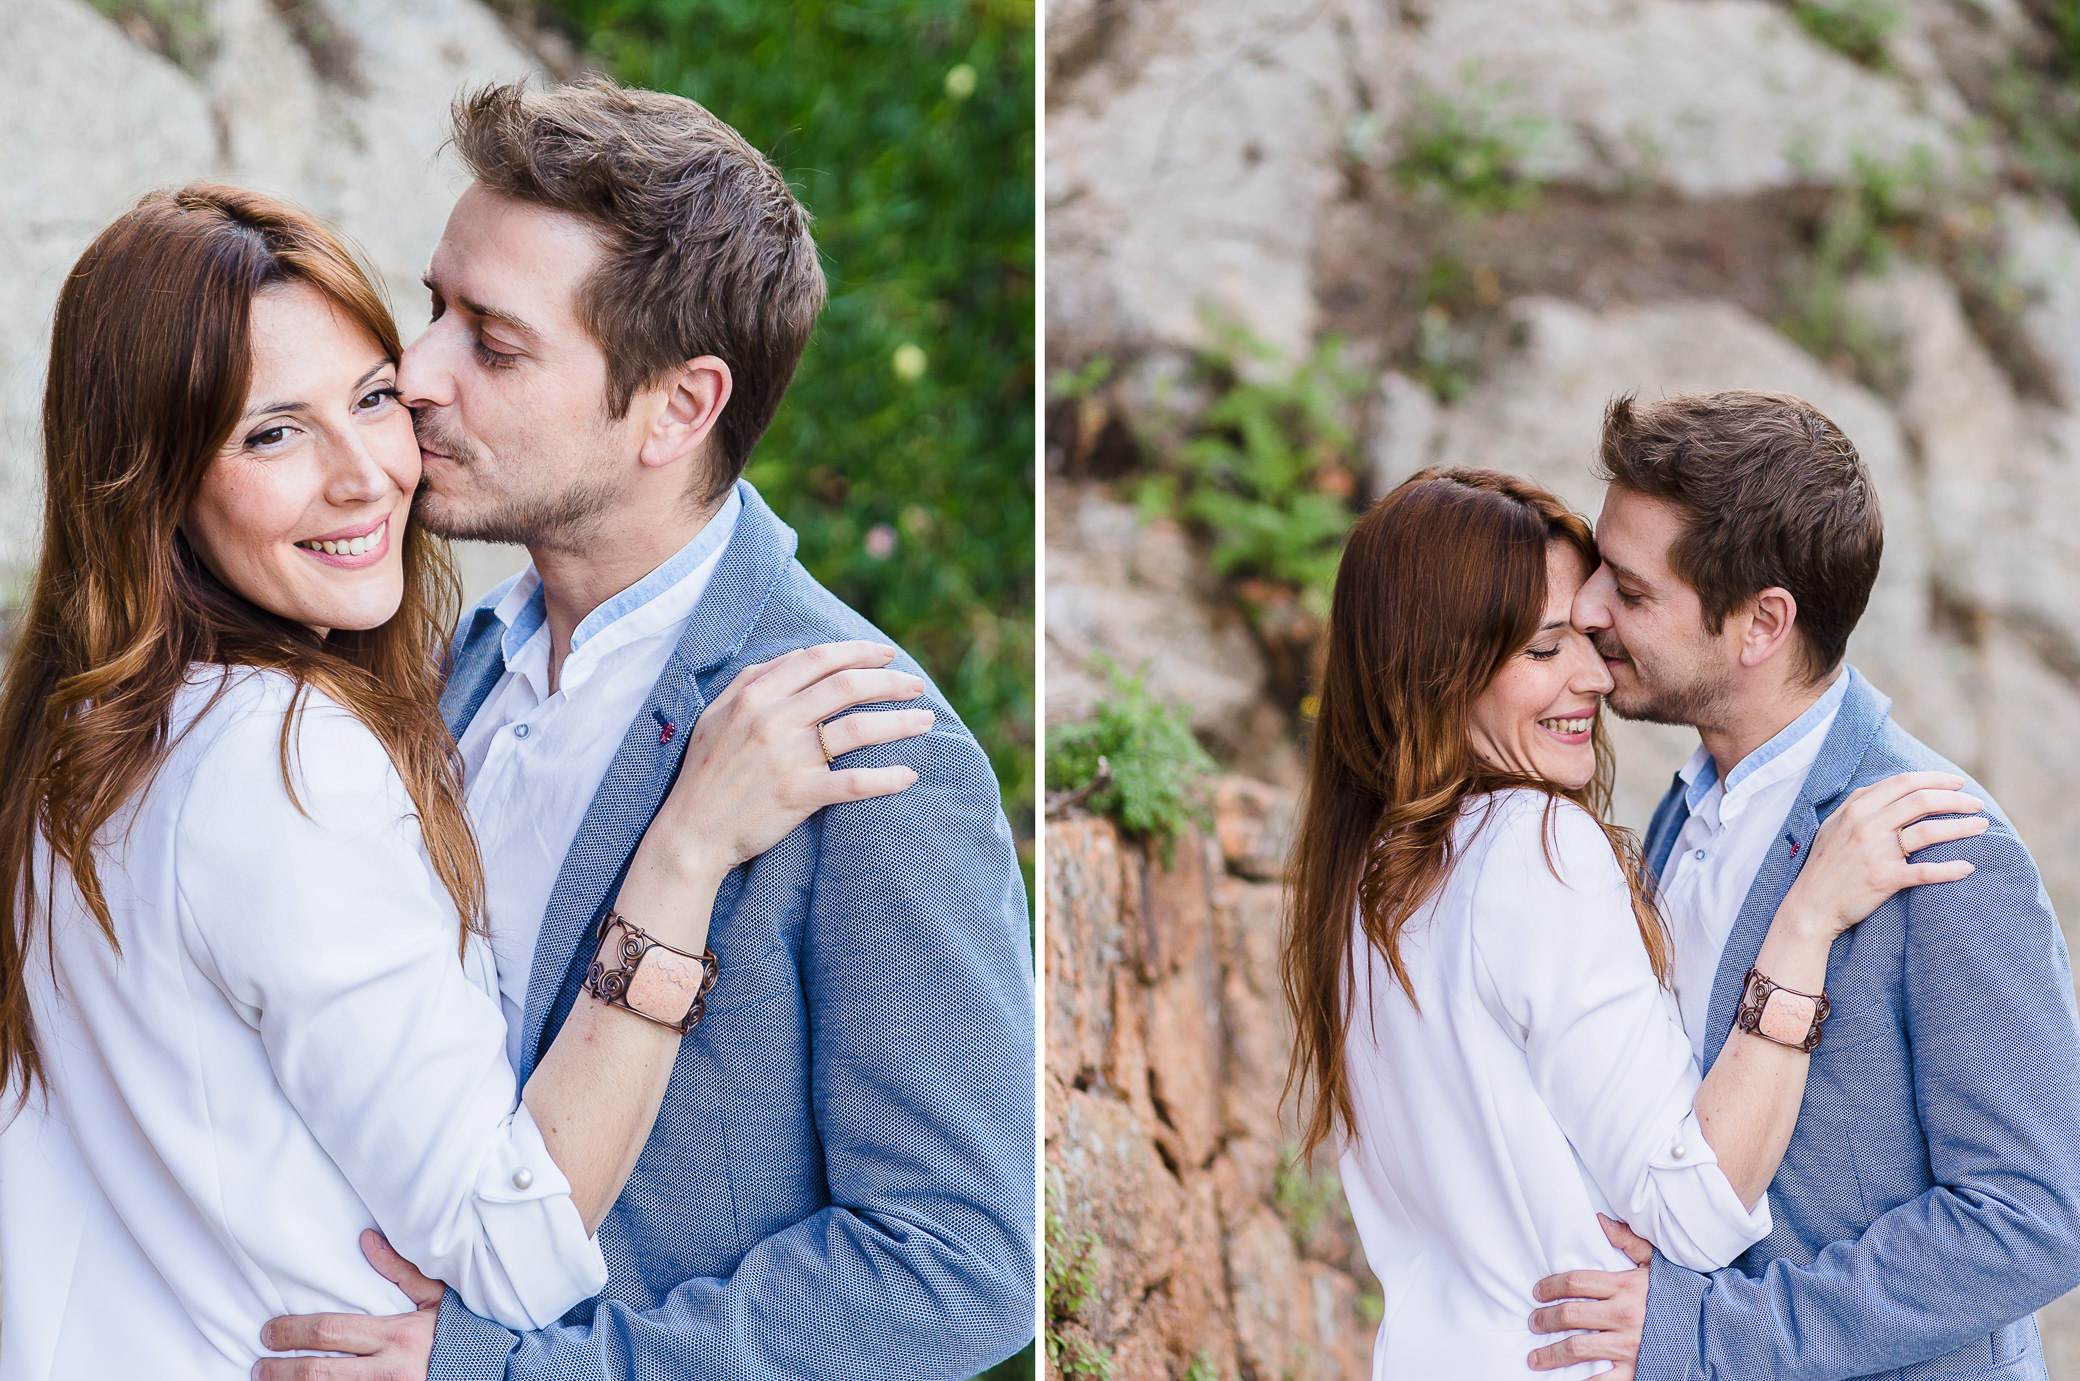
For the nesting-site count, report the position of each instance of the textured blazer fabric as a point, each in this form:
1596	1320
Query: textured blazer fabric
1929	1203
840	1183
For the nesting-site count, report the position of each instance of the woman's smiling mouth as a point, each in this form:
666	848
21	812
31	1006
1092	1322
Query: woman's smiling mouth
351	549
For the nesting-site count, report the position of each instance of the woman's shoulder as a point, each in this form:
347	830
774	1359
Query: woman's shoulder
1534	841
255	736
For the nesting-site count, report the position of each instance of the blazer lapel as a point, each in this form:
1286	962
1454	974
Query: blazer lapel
474	668
1666	825
647	762
1862	714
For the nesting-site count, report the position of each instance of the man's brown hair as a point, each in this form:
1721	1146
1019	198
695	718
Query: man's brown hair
706	250
1772	494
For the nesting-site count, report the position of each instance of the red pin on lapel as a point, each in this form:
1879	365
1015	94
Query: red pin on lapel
1792	839
664	735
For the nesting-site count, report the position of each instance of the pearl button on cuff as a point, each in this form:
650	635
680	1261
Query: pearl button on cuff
523	1177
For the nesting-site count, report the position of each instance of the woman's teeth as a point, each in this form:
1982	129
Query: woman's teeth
1568	726
353	546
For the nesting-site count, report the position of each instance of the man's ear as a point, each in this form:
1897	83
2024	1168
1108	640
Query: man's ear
1772	623
694	395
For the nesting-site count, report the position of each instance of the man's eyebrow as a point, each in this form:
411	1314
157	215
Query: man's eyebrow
1622	573
505	319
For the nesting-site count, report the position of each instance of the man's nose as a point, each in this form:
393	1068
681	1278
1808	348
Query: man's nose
423	376
1591	610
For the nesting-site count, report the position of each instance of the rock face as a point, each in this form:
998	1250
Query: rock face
1179	1234
338	105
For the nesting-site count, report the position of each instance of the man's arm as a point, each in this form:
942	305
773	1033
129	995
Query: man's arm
1996	1054
919	991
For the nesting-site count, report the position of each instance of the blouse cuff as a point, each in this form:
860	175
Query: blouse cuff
540	1261
1701	1223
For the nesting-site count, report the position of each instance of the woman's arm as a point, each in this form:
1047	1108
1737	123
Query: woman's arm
1748	1105
753	771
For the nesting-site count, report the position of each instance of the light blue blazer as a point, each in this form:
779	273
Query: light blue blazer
840	1183
1930	1199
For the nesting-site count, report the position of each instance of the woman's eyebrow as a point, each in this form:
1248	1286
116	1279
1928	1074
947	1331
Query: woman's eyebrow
378	367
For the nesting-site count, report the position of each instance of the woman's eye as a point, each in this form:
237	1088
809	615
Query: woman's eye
1541	654
378	398
273	436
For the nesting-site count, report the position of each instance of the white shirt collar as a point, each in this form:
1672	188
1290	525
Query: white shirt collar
1791	749
664	597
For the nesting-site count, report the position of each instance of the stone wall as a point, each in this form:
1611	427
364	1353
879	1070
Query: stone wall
338	105
1182	1239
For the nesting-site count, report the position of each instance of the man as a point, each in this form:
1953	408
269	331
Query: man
840	1180
1929	1201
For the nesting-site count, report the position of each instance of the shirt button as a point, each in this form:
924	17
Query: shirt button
1699	855
520	731
1678	1151
523	1177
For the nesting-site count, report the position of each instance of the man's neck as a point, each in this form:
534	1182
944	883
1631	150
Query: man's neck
576	580
1758	719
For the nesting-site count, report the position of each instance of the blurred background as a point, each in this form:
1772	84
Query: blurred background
903	454
1295	253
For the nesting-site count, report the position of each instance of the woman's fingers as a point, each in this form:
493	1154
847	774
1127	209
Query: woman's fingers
1921	874
859	783
793	672
867	727
1918	836
842	690
1916	805
1880	794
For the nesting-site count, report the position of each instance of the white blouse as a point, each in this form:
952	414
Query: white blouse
1543	1077
287	1050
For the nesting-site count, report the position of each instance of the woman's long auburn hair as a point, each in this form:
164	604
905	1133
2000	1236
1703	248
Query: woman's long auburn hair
150	363
1442	582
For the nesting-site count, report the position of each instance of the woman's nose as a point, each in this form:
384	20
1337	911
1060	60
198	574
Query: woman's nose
353	473
1591	676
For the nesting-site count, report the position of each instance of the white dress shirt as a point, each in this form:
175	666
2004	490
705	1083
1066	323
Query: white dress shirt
1540	1078
1733	825
531	760
288	1049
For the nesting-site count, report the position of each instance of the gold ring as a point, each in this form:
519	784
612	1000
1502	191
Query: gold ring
827	759
1901	835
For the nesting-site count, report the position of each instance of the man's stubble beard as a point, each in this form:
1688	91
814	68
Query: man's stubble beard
570	518
1700	703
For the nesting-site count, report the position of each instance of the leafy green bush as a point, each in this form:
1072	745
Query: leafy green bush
903	454
1072	1269
1135	760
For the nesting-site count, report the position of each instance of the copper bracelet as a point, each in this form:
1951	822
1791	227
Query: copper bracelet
1756	991
612	986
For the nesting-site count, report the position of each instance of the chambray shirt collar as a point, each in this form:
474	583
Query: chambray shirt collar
524	610
1701	773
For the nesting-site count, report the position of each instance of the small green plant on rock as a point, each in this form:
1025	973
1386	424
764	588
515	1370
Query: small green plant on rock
1857	29
1302	1195
1461	152
1202	1369
1072	1272
1270	469
1135	760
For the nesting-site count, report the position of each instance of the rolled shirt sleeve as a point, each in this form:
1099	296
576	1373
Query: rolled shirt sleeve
1563	965
321	919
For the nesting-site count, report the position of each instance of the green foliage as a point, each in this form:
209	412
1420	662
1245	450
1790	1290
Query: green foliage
903	454
1371	1308
1072	1271
1303	1195
1269	468
1136	758
1203	1369
1462	153
1857	29
1882	203
176	29
2038	104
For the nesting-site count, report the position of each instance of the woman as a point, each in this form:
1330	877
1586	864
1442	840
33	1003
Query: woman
1474	960
245	1006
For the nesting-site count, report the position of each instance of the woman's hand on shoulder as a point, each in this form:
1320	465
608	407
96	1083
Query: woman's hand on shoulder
1861	855
756	764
